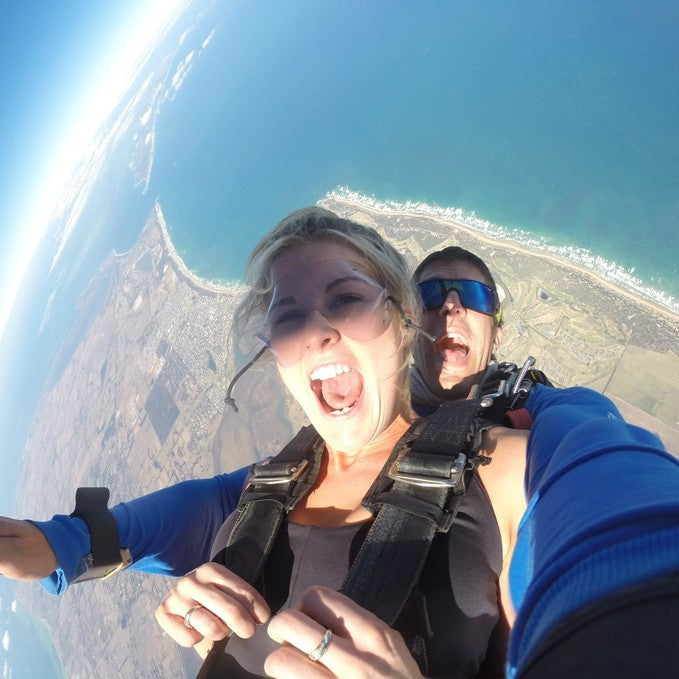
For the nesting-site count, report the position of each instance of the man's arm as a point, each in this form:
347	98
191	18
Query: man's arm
167	532
603	512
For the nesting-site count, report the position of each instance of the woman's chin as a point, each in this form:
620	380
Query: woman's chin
346	432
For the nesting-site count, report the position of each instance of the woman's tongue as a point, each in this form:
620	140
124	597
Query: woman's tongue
342	391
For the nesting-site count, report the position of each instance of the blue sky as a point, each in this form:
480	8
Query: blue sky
63	65
60	57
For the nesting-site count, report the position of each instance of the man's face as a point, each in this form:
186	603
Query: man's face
465	339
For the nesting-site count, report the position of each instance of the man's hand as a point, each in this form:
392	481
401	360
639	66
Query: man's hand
25	553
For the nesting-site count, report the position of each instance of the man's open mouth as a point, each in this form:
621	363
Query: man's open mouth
337	387
452	345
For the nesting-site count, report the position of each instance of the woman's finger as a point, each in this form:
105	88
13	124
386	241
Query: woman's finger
234	610
361	646
307	650
223	579
289	663
295	629
219	603
171	621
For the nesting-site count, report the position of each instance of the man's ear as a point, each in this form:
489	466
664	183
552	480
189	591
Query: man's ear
497	340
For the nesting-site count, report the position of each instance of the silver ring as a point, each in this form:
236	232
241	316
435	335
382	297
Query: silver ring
187	617
320	650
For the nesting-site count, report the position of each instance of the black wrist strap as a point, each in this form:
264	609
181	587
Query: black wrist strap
91	505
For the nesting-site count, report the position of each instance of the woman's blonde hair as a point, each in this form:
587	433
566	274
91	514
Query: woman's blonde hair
311	224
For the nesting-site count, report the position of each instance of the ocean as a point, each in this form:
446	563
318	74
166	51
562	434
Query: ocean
26	648
553	121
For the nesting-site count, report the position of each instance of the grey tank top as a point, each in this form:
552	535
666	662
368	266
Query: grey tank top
457	593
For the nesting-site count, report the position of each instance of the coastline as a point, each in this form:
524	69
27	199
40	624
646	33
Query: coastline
638	315
204	284
494	235
448	218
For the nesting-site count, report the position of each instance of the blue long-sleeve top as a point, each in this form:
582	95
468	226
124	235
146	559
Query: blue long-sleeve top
603	513
168	532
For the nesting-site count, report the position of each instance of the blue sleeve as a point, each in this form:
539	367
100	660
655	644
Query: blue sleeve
603	512
168	532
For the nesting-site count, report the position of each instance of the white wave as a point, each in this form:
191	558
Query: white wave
46	315
208	40
146	116
182	71
5	640
608	270
13	606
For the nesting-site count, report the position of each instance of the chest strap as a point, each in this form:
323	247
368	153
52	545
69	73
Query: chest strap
417	496
272	489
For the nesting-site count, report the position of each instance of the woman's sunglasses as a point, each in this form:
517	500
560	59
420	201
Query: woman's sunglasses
473	295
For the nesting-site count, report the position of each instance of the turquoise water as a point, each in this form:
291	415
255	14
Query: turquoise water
27	651
555	118
559	119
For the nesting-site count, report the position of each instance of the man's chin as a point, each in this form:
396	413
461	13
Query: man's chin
458	384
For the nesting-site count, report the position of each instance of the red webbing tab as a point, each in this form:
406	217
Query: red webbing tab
519	419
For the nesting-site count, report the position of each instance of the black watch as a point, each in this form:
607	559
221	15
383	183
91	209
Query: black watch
106	557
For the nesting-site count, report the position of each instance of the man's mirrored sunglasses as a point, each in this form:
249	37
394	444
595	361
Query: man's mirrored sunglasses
473	294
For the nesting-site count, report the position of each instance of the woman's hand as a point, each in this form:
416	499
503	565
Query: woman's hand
360	646
25	553
219	603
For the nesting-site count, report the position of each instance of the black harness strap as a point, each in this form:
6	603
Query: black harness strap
272	489
417	497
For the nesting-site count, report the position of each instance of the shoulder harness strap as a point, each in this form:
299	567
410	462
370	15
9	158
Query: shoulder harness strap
272	489
417	497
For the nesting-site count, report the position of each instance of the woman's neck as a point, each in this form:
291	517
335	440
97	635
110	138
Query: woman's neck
379	447
344	479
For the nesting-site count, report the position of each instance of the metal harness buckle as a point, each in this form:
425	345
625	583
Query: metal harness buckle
292	474
455	471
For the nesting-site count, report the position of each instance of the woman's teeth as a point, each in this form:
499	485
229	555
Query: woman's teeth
326	372
337	387
346	409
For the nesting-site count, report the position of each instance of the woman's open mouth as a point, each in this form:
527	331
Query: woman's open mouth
338	388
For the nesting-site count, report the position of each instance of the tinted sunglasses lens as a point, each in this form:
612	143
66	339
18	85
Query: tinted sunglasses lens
473	294
358	318
432	294
477	296
312	298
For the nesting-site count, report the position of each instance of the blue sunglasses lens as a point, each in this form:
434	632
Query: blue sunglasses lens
473	294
